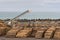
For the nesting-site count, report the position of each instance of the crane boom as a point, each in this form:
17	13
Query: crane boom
11	21
21	14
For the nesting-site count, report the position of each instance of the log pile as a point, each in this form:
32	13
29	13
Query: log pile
2	31
49	33
3	28
40	33
24	33
13	32
57	33
34	31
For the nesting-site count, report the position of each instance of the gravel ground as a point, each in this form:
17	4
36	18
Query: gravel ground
4	38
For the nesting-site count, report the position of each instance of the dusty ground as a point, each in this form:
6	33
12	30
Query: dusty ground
4	38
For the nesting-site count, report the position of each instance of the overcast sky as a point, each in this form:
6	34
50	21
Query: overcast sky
35	5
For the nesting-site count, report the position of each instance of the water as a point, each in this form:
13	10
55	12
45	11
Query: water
33	15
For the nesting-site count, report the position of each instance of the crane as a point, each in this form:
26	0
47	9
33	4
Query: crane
11	21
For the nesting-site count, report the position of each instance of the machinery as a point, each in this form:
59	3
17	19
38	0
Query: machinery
10	22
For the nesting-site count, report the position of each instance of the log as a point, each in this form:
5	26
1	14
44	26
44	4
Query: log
49	33
57	33
13	32
40	33
24	33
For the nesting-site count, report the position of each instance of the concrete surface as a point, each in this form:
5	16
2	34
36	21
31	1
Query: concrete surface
4	38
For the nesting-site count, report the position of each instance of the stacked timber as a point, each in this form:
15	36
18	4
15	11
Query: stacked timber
57	33
36	24
13	32
1	21
40	33
31	24
24	33
2	31
49	33
26	24
34	31
3	28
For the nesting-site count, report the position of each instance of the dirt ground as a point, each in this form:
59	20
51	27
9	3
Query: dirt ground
4	38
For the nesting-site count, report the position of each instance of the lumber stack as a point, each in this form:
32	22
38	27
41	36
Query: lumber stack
34	31
24	33
12	32
3	28
2	31
57	33
49	33
40	33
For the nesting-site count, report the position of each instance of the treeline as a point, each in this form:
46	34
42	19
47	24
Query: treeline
34	20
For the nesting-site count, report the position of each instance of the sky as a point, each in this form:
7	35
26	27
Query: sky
34	5
41	8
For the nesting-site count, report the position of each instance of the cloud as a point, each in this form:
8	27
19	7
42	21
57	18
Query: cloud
37	5
52	1
8	1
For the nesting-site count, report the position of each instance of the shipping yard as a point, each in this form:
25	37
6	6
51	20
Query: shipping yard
29	19
34	29
31	29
